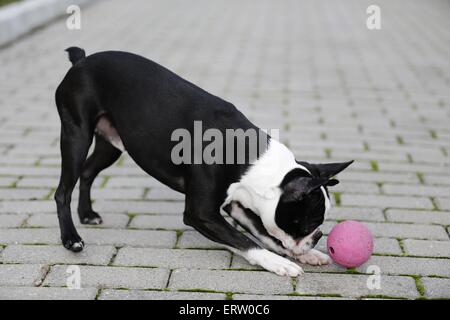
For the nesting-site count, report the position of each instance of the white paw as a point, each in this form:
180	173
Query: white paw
273	262
314	258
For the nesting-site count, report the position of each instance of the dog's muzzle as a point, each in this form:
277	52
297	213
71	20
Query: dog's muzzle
308	242
302	246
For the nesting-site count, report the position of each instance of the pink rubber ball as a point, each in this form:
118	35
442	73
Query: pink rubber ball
350	243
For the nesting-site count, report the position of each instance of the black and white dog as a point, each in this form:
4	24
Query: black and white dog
130	103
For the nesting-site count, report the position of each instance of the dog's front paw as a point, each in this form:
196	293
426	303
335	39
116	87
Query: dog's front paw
314	257
273	262
75	244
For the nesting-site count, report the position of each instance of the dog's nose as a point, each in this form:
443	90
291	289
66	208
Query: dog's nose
316	237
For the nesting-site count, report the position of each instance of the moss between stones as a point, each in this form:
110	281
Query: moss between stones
419	285
105	181
337	198
5	2
374	165
420	177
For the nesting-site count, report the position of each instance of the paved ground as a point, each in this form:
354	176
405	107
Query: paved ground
311	68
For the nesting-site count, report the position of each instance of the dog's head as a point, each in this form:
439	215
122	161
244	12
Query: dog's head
303	204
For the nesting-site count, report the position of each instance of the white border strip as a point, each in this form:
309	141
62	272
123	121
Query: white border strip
17	19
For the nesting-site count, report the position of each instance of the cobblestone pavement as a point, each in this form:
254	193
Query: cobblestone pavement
311	68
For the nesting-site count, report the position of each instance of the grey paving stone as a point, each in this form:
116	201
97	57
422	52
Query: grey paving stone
134	182
164	194
117	194
416	190
443	203
138	238
379	177
349	285
427	248
169	222
127	171
351	213
357	187
362	155
194	240
409	266
23	194
50	161
327	226
45	293
425	157
386	201
29	171
111	277
30	236
279	297
436	288
173	258
32	150
419	216
109	294
38	182
27	206
408	167
386	246
401	230
7	181
48	220
230	281
153	207
35	254
47	182
20	274
438	179
12	220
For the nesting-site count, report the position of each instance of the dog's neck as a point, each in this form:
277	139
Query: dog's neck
258	189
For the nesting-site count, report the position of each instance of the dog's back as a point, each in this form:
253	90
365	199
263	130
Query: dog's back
144	102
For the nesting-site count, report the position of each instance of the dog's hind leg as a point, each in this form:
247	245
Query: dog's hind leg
103	156
77	130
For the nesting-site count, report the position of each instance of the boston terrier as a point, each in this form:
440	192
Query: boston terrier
129	103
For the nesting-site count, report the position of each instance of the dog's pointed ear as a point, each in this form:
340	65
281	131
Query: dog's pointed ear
332	182
326	170
299	187
331	169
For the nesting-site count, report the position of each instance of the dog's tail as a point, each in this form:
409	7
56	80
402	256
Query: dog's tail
76	54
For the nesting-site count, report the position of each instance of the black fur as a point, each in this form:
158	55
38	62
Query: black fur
301	207
299	216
